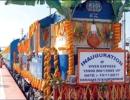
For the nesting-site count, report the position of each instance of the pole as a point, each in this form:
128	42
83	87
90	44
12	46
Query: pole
50	10
124	30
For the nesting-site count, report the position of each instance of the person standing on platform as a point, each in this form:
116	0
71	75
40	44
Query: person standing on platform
1	61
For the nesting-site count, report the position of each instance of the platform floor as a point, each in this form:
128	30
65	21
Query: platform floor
8	87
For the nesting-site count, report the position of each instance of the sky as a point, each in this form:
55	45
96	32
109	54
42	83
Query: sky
127	24
14	18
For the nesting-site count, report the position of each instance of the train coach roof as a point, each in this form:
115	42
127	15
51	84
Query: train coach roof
53	18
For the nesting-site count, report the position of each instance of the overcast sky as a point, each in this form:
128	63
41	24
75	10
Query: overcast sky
14	17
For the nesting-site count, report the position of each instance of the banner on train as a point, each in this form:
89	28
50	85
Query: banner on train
94	10
101	66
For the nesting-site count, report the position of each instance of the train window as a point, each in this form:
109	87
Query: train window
24	62
32	43
36	67
44	37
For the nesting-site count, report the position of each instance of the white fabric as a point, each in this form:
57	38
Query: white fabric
93	28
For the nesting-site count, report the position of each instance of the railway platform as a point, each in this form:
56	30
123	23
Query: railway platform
9	90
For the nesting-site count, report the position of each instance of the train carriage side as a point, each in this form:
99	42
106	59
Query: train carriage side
33	58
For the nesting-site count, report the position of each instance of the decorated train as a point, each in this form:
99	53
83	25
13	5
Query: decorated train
78	59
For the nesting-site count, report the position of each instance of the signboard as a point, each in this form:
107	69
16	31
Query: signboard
101	66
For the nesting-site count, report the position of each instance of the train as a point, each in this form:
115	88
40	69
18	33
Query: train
59	57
